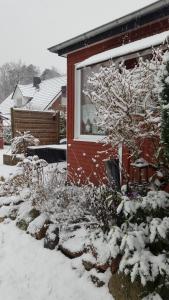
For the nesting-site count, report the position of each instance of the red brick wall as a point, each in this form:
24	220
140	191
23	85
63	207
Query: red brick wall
148	148
57	105
75	151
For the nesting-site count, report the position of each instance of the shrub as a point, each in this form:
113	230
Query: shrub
22	141
142	239
103	202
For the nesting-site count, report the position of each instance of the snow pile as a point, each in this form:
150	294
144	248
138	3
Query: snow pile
5	211
37	224
10	200
75	241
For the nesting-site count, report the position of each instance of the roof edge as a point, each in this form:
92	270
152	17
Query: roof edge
64	48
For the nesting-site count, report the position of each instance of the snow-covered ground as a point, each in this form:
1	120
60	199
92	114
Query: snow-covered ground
30	272
4	169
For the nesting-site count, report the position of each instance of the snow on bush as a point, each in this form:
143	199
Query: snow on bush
142	239
103	202
7	134
153	296
126	101
97	241
22	141
28	178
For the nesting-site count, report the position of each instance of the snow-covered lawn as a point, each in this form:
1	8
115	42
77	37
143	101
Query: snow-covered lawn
30	272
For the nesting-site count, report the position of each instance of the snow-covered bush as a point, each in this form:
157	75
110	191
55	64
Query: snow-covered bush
163	90
66	203
140	245
103	202
33	170
153	296
142	239
85	204
7	134
126	101
164	100
29	174
62	125
22	141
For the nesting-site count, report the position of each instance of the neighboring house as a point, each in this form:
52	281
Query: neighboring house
1	132
125	37
40	95
2	118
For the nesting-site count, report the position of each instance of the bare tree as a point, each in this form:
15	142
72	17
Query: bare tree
49	73
126	101
12	73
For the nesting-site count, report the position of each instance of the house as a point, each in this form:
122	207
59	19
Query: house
40	95
127	37
2	118
1	132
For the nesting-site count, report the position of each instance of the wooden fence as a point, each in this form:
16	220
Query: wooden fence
42	125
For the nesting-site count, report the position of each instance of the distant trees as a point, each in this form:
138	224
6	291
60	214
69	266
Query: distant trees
12	73
49	73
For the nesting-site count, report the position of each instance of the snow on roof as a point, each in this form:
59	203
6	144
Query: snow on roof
139	45
48	91
6	105
27	90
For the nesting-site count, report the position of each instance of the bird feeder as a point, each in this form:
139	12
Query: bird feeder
141	167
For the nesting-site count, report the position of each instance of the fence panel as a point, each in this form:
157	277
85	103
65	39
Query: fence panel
42	125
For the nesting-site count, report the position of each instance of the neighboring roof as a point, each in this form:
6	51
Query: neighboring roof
27	90
133	47
159	9
2	117
6	105
49	90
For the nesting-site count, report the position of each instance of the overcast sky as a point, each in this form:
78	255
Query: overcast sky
29	27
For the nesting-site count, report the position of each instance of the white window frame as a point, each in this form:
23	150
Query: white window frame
93	138
77	117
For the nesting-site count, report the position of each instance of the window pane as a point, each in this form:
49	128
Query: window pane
88	111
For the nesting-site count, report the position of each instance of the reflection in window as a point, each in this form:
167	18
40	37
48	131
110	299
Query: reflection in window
88	111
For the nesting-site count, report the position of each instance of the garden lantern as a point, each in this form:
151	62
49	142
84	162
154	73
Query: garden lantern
141	167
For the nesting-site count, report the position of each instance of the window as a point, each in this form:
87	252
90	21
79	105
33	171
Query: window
87	110
86	116
18	102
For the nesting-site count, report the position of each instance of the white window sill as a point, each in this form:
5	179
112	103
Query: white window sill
90	138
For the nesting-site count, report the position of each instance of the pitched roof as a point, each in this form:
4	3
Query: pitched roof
27	90
157	10
49	90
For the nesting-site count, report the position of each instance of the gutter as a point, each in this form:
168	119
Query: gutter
121	25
